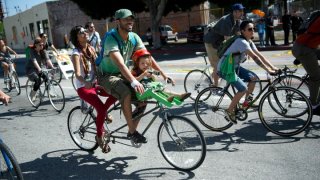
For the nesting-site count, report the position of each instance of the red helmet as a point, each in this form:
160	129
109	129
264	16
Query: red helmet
139	53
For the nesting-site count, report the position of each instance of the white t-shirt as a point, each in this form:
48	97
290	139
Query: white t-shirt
239	45
91	73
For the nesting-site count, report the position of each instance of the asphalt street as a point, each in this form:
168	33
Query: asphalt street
40	140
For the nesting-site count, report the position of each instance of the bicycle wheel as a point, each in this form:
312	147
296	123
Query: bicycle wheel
82	129
56	95
9	166
73	80
181	143
15	84
293	81
57	76
210	112
36	103
195	81
284	114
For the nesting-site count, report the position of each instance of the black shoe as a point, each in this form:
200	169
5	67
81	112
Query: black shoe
137	137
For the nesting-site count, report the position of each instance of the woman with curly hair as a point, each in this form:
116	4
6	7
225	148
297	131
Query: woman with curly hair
83	58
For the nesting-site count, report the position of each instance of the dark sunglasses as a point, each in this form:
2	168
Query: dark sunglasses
250	29
40	44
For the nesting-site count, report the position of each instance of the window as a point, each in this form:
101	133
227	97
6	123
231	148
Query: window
14	35
31	27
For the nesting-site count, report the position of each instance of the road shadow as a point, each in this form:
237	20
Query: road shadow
76	164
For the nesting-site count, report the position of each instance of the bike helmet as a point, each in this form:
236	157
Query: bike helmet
139	53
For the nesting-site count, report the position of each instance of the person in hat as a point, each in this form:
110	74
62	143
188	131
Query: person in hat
142	70
226	26
113	73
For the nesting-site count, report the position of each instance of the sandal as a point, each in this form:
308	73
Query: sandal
103	145
109	119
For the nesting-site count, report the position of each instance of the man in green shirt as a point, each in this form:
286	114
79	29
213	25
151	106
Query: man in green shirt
113	72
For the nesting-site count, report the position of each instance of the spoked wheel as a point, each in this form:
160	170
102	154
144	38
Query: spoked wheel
82	129
9	166
195	81
15	84
181	143
38	98
285	111
295	82
73	80
57	76
56	95
210	110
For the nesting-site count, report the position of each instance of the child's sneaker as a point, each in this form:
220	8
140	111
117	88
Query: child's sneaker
230	116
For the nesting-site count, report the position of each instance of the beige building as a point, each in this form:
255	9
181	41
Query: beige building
56	18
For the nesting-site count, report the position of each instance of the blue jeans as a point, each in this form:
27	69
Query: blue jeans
243	75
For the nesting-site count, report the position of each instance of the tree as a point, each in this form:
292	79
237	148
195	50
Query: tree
157	9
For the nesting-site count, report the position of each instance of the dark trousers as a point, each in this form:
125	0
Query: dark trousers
270	36
286	36
294	35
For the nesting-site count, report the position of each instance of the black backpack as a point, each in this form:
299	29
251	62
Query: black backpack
306	24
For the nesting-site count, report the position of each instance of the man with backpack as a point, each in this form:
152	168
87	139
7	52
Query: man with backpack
226	26
94	37
306	49
118	45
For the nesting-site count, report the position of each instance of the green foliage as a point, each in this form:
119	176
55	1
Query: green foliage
2	34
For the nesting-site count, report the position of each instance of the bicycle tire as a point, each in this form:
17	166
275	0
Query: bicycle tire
11	170
58	74
293	81
188	150
82	129
56	95
210	112
73	81
195	81
15	83
29	87
279	122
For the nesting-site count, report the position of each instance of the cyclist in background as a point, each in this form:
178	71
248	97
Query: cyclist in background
83	57
5	58
94	37
47	44
244	46
306	49
38	58
226	27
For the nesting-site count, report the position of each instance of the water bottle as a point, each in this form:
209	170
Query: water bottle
84	106
247	101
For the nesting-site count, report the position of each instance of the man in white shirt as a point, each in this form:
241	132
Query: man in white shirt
94	37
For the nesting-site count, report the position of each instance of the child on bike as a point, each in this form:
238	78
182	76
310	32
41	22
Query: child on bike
143	71
5	58
38	58
241	48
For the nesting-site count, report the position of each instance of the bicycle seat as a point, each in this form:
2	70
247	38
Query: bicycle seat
155	91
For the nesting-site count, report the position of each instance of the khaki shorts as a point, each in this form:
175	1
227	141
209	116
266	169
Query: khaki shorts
212	55
116	85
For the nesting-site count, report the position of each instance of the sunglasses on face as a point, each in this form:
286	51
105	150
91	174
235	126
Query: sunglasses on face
41	45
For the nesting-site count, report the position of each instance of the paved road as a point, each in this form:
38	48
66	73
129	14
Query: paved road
40	140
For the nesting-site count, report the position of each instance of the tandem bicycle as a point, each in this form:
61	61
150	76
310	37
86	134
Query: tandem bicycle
180	141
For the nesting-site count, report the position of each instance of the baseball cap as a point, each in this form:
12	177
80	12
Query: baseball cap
123	13
237	6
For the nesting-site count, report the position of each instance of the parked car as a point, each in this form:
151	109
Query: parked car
166	33
195	34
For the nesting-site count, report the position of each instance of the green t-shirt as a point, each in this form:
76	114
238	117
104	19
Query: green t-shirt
107	64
